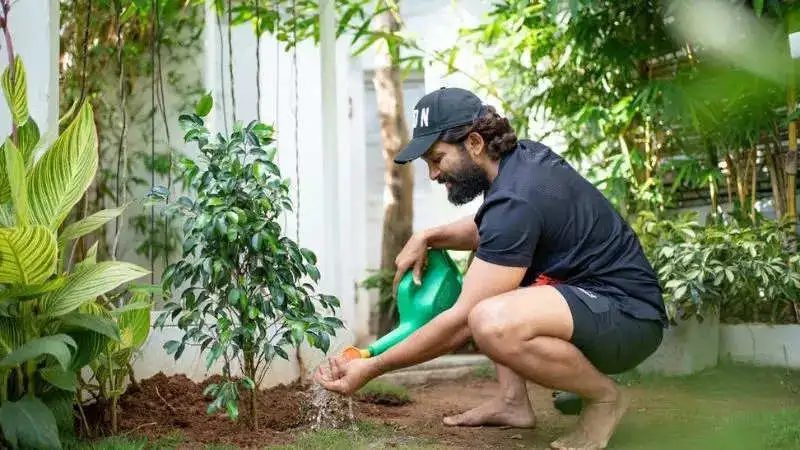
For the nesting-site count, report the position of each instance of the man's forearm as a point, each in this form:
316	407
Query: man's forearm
459	235
445	333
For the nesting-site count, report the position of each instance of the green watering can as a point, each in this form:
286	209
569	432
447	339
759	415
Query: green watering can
417	305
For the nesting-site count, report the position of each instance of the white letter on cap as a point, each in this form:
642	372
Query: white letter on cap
424	117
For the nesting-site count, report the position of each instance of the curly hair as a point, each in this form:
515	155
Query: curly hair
495	130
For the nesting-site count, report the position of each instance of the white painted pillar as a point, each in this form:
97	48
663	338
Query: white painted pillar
34	27
330	151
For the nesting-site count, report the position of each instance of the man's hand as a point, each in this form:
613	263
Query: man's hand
413	255
346	377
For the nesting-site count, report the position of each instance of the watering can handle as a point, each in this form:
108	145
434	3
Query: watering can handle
407	286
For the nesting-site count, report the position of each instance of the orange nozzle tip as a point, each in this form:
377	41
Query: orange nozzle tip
353	352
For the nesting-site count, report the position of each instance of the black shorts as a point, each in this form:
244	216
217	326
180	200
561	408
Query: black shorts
613	341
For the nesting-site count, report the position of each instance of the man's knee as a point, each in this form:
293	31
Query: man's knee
491	323
515	317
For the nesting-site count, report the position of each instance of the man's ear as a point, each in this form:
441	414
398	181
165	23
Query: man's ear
475	144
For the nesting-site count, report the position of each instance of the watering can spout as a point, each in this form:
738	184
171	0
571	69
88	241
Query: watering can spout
418	304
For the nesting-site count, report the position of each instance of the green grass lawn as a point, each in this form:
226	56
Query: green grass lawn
731	407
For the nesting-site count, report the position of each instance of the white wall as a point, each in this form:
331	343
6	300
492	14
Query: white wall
30	21
291	100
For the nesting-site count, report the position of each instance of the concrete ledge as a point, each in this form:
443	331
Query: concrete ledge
448	367
687	348
761	344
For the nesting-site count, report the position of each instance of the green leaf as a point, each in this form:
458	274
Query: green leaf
88	283
204	105
16	91
30	290
28	136
680	291
15	170
62	379
29	423
57	345
90	346
138	322
11	335
98	324
309	255
27	255
90	224
59	179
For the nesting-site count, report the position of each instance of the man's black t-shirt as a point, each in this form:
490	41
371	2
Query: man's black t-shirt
540	213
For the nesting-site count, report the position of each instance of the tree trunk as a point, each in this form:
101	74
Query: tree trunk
776	179
398	208
250	372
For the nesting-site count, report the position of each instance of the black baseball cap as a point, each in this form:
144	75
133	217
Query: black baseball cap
435	113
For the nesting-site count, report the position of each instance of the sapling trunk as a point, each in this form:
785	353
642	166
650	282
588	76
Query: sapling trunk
249	372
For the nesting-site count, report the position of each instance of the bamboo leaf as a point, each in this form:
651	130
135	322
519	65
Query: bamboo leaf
59	179
15	170
16	92
88	283
91	223
27	255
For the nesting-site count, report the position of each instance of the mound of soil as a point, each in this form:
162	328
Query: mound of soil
163	404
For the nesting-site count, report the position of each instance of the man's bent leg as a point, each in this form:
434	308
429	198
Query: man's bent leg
511	408
528	330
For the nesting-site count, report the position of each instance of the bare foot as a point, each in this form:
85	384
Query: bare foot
496	412
596	425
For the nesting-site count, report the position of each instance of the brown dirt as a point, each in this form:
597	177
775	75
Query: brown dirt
165	404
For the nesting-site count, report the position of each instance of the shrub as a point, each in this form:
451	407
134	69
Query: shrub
742	271
243	290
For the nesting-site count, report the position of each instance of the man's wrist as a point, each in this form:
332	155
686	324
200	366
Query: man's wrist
426	236
378	365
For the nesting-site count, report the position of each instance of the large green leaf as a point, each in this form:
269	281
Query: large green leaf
60	403
6	210
29	423
57	345
87	283
60	378
59	179
90	346
89	224
30	290
28	137
15	170
98	324
27	255
11	335
16	92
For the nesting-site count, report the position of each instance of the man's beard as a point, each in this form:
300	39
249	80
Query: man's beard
466	183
